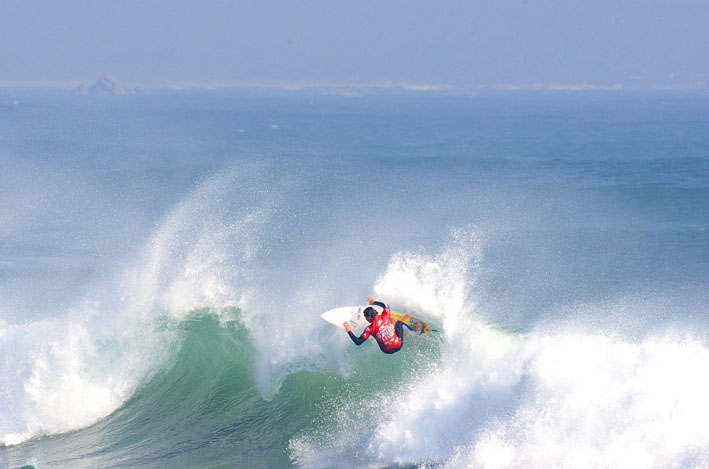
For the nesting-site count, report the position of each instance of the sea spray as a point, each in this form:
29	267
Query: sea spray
201	252
495	397
477	373
441	286
58	376
66	373
408	420
595	400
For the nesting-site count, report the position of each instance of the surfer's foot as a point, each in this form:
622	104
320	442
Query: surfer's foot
418	327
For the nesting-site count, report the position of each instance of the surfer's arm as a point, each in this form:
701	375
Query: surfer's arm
374	302
357	340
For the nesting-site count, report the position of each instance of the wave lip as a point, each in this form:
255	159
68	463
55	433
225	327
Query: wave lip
68	372
59	377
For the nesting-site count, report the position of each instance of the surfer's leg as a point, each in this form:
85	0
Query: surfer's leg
399	329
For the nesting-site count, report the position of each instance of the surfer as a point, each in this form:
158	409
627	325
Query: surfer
389	335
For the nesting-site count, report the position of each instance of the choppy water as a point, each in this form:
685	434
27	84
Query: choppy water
164	261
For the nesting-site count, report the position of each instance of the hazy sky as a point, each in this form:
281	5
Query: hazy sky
464	44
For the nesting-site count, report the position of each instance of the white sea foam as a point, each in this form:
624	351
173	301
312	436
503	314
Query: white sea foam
599	401
60	375
549	397
65	373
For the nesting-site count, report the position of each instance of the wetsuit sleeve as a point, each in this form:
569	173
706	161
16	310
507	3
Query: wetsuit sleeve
380	304
365	335
357	340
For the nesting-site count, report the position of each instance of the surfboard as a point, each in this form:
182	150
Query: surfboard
355	316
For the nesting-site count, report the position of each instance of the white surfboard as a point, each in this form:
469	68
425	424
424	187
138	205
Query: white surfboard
352	314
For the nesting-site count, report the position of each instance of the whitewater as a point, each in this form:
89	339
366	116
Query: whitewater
164	261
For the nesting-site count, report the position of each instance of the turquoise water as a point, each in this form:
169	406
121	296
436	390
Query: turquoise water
164	260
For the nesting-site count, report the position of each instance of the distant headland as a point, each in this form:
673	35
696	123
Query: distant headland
107	85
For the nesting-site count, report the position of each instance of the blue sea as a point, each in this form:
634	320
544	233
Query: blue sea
165	258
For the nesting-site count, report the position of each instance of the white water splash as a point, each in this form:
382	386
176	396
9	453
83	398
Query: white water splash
66	373
546	398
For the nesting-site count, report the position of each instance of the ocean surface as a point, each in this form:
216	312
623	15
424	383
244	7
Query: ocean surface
165	258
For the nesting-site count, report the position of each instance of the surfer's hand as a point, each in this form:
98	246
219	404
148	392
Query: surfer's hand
370	300
347	326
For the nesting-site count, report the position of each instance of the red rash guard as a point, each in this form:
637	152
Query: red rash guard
382	328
